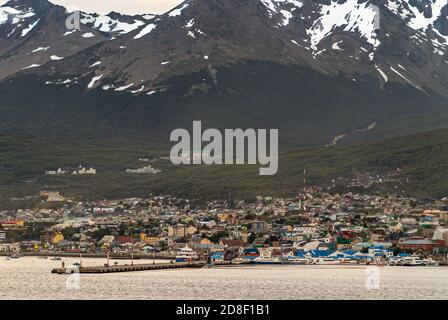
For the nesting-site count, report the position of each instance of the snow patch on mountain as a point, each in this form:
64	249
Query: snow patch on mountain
29	28
40	49
412	83
88	35
14	16
285	8
34	65
336	46
351	15
146	30
273	5
383	74
105	23
190	23
56	58
419	20
95	64
123	88
93	81
69	33
178	11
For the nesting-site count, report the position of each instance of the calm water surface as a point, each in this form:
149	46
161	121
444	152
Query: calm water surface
30	278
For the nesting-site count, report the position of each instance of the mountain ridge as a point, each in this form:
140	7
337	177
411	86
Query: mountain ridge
332	69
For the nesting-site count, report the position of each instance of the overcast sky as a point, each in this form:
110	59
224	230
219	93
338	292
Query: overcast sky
123	6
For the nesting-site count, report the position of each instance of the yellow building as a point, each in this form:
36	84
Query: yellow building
181	231
224	217
206	241
12	224
149	239
244	234
191	230
57	237
176	231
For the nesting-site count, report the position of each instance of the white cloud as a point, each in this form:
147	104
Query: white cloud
122	6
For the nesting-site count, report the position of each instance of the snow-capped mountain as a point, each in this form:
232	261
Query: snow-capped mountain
385	39
325	66
35	32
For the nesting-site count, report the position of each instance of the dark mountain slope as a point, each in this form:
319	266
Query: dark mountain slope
316	70
307	107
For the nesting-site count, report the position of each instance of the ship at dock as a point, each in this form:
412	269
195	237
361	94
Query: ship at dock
266	257
186	255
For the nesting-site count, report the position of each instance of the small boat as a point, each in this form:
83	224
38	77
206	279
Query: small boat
42	257
412	262
14	257
429	262
393	261
56	259
186	255
324	261
297	260
264	260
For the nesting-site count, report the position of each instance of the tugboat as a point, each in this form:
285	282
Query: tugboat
187	255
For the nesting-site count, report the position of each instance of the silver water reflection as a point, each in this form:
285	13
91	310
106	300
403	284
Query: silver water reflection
30	278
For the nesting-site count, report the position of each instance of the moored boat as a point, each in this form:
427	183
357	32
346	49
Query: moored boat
267	258
264	260
14	256
412	262
186	255
297	260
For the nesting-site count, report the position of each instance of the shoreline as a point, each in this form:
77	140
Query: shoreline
90	255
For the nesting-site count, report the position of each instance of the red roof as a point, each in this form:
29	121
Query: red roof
124	239
11	222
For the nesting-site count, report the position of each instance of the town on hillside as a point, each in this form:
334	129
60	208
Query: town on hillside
314	227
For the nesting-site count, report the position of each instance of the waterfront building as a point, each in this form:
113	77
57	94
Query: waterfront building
56	238
424	245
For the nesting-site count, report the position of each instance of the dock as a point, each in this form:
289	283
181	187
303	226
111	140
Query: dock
141	267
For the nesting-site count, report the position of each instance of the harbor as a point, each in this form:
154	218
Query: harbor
31	278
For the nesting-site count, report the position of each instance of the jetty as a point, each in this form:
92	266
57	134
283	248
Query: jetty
141	267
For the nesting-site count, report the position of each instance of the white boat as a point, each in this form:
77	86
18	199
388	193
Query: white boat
266	258
393	261
429	262
186	255
412	261
297	260
13	257
324	261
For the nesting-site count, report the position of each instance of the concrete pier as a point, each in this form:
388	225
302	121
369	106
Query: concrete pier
140	267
